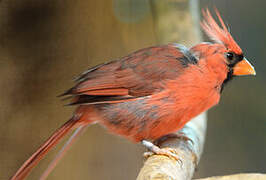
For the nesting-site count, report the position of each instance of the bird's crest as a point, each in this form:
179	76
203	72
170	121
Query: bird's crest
219	34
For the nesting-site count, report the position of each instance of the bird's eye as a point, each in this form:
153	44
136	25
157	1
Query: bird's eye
230	56
233	58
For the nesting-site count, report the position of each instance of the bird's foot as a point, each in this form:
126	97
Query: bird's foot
181	136
169	152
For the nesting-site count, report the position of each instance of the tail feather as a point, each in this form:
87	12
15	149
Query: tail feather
78	132
44	149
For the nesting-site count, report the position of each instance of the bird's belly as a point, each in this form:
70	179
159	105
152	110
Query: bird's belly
153	116
179	108
131	119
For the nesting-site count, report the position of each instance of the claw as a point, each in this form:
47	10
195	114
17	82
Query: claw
178	136
169	152
147	154
184	137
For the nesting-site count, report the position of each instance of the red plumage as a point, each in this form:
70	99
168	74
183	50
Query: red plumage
152	92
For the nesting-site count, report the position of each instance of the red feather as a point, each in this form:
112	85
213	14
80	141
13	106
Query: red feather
151	92
218	34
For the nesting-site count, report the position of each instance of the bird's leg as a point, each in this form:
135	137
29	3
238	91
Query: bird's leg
169	152
181	136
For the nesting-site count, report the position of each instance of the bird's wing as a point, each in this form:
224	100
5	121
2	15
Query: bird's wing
139	74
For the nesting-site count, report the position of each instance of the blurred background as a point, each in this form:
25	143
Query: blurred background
44	44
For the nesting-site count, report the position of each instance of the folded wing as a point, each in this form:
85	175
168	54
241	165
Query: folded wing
139	74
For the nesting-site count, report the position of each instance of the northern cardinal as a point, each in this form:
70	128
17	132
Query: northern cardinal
152	92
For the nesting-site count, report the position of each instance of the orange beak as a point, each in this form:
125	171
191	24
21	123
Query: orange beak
243	68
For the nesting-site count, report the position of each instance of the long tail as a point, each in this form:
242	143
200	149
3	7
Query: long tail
44	149
79	131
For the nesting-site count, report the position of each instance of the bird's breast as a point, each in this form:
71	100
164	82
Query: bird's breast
153	116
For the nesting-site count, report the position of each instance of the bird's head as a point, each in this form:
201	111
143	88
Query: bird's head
232	54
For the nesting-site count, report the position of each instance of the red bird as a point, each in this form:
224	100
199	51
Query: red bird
152	92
